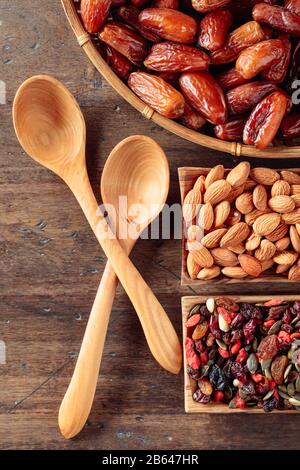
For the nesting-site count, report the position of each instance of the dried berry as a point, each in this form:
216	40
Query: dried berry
268	347
199	397
249	330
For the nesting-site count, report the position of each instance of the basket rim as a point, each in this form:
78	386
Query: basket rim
234	148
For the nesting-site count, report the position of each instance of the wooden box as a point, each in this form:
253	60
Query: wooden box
189	384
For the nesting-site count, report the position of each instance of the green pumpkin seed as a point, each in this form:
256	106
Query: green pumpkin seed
283	395
194	310
251	403
268	374
265	363
204	371
290	354
221	344
282	388
275	328
254	345
297	384
252	363
268	395
232	404
294	402
290	389
287	371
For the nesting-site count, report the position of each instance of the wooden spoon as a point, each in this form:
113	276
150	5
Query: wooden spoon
51	129
138	170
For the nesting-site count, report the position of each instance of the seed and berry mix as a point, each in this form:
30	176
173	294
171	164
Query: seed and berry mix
245	354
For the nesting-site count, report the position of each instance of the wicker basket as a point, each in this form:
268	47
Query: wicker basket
86	41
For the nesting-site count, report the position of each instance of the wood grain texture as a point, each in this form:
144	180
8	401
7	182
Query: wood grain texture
51	266
190	385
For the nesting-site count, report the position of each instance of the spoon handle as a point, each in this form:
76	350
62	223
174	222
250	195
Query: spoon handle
77	402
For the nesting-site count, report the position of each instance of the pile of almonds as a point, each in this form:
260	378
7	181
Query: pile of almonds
243	223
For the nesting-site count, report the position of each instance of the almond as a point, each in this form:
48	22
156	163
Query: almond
235	272
282	204
252	216
215	174
249	185
296	199
278	233
295	189
234	193
238	249
224	257
280	188
267	264
200	254
282	268
212	239
244	203
217	192
191	205
298	228
292	217
194	233
221	212
266	223
209	273
265	176
234	217
192	267
206	216
260	197
282	244
295	238
265	251
285	257
253	242
235	235
294	273
290	177
239	174
250	265
200	184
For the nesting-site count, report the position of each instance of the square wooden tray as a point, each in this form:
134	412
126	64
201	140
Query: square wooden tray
189	384
187	179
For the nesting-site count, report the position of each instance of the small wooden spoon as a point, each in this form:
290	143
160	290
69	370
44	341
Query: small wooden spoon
51	129
138	170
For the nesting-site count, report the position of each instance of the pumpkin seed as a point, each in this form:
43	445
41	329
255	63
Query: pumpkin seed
254	345
251	403
294	402
221	344
210	305
297	367
290	389
268	374
297	396
248	348
282	388
268	395
223	325
275	328
228	394
194	310
297	384
283	395
204	371
287	371
232	404
294	320
252	363
265	364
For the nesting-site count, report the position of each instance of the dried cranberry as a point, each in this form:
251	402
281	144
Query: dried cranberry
227	369
263	386
287	316
227	337
288	328
296	306
270	404
237	321
193	373
247	390
199	397
239	372
245	311
214	327
236	335
199	345
204	311
284	346
249	330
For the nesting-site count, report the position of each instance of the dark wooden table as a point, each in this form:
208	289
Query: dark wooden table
51	265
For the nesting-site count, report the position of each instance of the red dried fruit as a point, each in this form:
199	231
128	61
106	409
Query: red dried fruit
218	396
295	336
257	378
224	314
158	94
283	336
118	62
242	356
268	324
208	5
130	15
290	126
265	120
230	79
213	29
174	4
241	404
205	95
138	3
278	367
193	320
259	57
192	358
232	130
243	98
268	347
273	303
205	387
277	17
293	6
169	24
277	72
172	57
200	330
204	358
125	40
223	353
191	118
235	348
94	13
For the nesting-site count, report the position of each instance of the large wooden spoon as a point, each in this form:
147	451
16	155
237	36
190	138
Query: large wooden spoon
137	171
51	129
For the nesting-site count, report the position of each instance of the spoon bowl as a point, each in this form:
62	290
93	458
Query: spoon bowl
49	123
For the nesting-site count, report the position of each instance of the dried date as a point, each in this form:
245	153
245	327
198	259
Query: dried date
277	17
213	29
119	63
244	97
169	24
191	118
290	126
232	130
94	14
130	15
230	79
208	5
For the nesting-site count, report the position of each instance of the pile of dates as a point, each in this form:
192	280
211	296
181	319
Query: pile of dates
245	354
230	66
